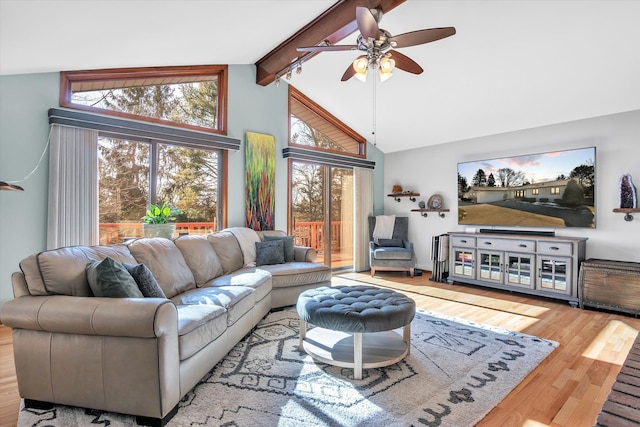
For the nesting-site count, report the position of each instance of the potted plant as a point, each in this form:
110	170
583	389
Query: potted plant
158	220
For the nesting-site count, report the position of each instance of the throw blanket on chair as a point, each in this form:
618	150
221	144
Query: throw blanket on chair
247	238
384	227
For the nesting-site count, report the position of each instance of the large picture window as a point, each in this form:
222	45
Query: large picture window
139	162
132	173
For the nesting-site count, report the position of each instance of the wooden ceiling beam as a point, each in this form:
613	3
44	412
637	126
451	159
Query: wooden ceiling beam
333	25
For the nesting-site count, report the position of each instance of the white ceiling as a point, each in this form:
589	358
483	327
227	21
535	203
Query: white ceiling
512	64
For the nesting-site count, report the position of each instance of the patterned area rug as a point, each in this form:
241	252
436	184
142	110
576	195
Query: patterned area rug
456	373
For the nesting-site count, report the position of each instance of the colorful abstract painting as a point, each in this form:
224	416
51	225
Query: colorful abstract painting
260	155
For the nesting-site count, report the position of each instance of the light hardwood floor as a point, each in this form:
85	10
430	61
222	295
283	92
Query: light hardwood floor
566	389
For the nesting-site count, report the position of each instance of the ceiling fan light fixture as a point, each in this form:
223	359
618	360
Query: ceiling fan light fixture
384	76
361	66
387	65
362	76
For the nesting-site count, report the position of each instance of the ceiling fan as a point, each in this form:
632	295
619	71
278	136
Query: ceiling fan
379	44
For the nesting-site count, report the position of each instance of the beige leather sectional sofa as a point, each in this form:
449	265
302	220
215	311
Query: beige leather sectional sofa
140	356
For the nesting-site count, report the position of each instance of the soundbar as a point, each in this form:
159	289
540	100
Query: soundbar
518	232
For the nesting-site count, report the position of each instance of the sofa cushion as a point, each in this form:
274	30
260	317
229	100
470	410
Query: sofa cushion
109	278
236	300
268	253
288	245
249	277
228	250
63	270
200	257
147	284
166	262
392	253
297	273
396	243
198	326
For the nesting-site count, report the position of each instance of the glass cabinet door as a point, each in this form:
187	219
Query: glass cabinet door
554	274
490	266
463	260
520	270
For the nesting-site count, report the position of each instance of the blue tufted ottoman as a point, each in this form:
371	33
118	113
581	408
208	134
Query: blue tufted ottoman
366	313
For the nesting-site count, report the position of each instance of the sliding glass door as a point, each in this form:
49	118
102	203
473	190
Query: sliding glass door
321	214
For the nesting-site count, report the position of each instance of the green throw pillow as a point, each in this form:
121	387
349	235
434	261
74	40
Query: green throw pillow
288	246
269	253
147	284
109	278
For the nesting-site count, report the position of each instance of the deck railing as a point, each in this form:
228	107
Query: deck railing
305	233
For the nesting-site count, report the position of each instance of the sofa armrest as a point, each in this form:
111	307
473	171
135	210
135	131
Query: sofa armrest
304	254
118	317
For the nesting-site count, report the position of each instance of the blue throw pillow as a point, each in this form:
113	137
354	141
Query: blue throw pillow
390	243
109	278
269	253
147	284
288	246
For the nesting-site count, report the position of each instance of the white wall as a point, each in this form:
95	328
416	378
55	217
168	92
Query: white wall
433	169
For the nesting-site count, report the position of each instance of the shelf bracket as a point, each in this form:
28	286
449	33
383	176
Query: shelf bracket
441	214
628	217
424	214
413	199
397	199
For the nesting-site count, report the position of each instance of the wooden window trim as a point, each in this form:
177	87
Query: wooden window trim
330	118
67	78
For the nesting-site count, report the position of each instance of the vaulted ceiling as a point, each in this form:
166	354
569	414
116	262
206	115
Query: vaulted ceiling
513	64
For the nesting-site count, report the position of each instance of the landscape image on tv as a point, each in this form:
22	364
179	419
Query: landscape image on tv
553	189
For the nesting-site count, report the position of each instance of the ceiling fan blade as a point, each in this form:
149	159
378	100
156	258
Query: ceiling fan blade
334	47
367	23
421	36
349	72
405	63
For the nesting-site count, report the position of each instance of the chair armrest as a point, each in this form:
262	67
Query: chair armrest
304	254
408	245
118	317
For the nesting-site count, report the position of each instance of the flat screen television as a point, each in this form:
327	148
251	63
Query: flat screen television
553	189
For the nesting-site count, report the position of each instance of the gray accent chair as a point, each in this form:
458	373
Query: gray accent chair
394	258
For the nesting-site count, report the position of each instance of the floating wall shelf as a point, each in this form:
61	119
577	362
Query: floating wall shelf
397	196
424	212
627	212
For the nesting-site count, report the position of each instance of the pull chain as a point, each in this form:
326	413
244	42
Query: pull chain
373	132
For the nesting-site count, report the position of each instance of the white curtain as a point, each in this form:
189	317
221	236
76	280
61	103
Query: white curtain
73	187
363	204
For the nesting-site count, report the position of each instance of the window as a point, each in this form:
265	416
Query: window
191	97
555	190
132	173
535	191
145	164
311	126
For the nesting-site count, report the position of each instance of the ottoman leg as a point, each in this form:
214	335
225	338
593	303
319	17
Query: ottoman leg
357	355
303	333
406	337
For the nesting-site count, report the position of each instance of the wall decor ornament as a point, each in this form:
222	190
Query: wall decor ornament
435	202
628	198
260	161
